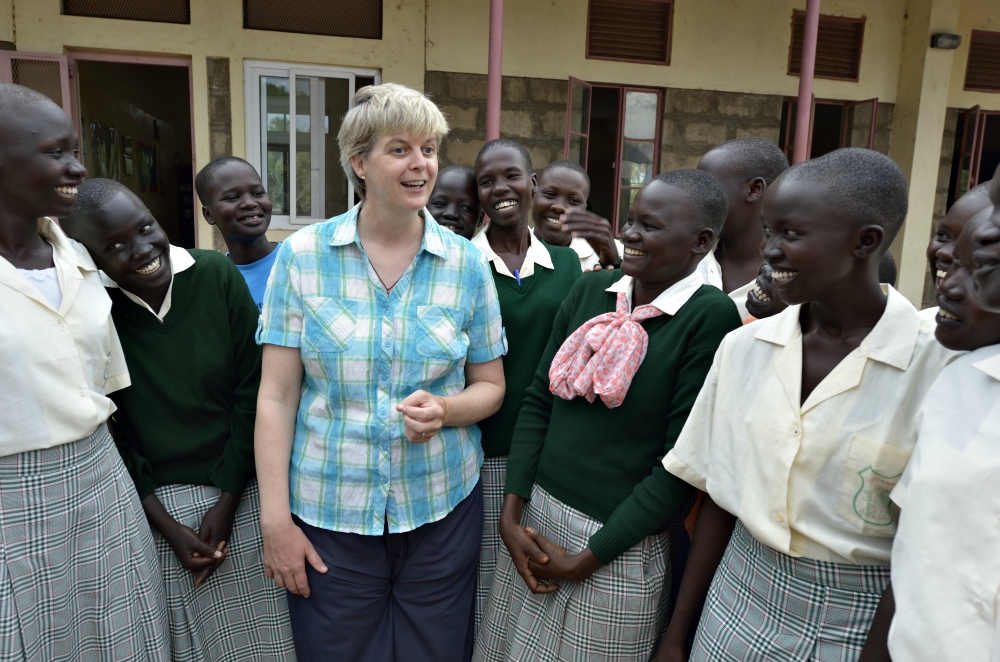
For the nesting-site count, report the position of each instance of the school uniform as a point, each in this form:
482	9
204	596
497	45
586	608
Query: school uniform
946	555
590	470
78	572
186	426
711	271
256	274
588	256
809	482
528	304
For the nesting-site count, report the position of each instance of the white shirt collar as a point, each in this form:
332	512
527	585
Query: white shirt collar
180	260
990	365
537	254
582	247
671	299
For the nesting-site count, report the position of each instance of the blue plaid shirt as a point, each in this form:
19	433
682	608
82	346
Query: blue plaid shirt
363	352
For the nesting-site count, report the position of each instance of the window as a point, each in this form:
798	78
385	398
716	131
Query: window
630	30
977	151
305	182
614	132
160	11
838	46
335	18
834	124
983	69
48	74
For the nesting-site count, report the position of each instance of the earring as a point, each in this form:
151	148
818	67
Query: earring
362	176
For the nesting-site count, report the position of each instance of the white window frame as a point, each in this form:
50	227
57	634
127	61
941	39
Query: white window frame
253	70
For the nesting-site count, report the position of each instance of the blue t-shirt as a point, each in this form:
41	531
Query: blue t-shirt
256	275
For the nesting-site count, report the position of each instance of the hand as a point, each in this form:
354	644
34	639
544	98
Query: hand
286	549
561	565
596	230
520	545
423	415
598	267
216	529
193	553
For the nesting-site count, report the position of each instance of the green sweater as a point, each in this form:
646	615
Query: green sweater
188	416
527	312
606	462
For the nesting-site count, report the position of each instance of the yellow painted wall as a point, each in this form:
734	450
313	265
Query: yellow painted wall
216	30
6	20
974	15
727	45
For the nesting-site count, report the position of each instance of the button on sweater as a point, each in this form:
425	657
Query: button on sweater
604	462
188	417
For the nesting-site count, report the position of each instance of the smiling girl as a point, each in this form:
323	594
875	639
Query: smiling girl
532	278
587	501
78	572
185	425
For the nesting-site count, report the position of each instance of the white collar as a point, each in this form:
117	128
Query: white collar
537	254
991	364
180	260
582	247
671	299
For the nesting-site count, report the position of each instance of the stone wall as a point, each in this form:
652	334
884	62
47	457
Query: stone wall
941	195
533	112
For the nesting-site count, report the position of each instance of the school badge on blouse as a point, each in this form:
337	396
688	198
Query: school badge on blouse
871	502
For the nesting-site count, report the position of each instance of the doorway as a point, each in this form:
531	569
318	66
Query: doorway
977	151
134	116
834	124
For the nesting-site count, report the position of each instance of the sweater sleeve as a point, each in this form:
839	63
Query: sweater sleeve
236	467
658	495
137	465
536	409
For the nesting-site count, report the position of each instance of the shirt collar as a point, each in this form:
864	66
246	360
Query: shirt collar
891	341
582	247
990	365
65	249
180	260
346	232
537	254
671	299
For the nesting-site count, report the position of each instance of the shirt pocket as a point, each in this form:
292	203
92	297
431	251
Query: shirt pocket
872	470
330	325
439	333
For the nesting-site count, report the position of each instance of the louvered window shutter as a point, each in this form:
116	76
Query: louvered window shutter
982	72
630	30
159	11
838	46
361	19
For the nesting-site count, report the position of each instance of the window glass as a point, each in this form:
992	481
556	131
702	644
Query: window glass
640	115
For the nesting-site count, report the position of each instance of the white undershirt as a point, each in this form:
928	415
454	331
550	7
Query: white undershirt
45	281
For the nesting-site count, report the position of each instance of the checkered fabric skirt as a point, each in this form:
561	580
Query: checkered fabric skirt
238	614
616	614
493	474
765	605
78	573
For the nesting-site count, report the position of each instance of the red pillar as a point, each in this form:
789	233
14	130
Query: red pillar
495	71
803	117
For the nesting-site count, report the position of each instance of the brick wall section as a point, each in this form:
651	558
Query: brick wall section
220	122
941	196
533	112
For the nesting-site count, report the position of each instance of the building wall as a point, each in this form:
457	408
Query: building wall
974	15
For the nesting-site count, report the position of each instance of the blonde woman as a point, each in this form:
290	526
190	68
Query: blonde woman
382	344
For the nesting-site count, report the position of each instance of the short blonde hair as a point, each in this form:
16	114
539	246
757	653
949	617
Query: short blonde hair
380	110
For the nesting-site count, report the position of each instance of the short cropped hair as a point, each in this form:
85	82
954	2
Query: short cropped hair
887	269
17	99
755	157
464	169
569	165
507	142
705	192
378	110
203	182
863	183
91	195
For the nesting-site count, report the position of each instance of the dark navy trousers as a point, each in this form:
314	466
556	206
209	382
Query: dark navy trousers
398	597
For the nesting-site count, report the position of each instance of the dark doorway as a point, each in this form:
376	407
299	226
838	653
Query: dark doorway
977	151
135	122
602	158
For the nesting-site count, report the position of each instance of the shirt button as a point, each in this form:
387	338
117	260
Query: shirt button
62	326
387	343
780	516
796	433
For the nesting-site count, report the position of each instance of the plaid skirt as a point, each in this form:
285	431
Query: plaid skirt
493	474
238	614
765	605
78	573
616	614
